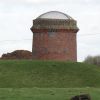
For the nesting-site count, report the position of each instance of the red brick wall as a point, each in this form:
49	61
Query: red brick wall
59	45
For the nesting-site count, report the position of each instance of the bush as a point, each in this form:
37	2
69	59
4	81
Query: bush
92	60
18	54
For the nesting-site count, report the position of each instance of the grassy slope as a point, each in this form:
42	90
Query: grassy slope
26	74
46	93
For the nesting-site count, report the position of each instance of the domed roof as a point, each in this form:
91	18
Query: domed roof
54	20
54	15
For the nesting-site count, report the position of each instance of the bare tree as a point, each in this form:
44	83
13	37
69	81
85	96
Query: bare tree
92	60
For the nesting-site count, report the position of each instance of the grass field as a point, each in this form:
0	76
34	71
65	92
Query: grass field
47	80
21	74
46	93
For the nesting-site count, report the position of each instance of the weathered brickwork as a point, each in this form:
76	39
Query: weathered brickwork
59	45
54	41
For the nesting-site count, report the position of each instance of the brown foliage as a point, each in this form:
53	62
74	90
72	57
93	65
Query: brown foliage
81	97
18	54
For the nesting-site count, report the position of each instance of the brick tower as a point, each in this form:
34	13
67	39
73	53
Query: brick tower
54	37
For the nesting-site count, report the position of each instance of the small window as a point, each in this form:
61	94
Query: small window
65	50
43	50
41	34
51	34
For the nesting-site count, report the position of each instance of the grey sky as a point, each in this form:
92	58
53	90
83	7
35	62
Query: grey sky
16	19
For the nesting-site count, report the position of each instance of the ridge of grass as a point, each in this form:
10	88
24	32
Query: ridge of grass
48	74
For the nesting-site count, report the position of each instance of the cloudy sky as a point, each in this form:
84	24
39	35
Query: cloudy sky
16	19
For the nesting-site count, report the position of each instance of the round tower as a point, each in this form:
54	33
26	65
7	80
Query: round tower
54	37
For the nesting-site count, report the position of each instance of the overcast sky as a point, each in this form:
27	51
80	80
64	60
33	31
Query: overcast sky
16	20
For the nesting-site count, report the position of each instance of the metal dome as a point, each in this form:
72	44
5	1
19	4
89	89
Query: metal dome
54	15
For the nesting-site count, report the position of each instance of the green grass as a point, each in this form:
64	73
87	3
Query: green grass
27	73
46	93
47	80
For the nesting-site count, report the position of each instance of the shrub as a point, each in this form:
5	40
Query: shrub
92	60
18	54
